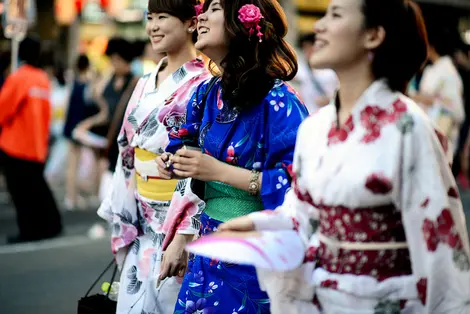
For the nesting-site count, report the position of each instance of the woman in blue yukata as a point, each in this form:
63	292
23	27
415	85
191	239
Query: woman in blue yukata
245	123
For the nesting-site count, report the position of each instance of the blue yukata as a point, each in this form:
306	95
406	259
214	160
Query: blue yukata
261	138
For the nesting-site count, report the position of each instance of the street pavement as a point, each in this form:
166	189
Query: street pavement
50	277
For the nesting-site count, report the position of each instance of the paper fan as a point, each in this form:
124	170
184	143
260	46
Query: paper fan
271	250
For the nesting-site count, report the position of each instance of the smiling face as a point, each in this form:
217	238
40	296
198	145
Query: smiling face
168	33
212	39
341	36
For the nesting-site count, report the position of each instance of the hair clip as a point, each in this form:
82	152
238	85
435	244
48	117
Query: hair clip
250	16
199	8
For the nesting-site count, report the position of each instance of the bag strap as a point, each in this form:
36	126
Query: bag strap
120	111
208	89
101	276
316	83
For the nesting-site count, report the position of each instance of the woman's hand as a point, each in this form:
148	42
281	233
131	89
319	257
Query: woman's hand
175	258
194	164
163	165
244	223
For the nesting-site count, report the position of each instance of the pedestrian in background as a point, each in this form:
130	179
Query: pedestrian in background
25	116
80	106
316	86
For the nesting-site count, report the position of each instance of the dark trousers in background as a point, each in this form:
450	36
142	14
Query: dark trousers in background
36	210
456	164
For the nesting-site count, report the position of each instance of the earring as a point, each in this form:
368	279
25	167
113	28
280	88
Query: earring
370	56
190	30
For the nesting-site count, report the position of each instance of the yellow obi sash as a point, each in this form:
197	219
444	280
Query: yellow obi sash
149	184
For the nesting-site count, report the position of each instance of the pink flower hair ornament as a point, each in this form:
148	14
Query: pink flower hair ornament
199	8
250	16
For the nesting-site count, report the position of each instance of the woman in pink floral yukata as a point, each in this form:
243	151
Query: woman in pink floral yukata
149	242
373	199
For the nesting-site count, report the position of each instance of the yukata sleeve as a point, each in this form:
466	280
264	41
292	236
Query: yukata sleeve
188	133
123	174
297	211
184	213
434	221
291	291
285	113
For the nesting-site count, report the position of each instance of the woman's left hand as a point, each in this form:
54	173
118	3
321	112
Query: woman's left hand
194	164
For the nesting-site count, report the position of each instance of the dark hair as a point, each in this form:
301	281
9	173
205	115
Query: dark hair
182	9
30	50
462	46
307	38
83	63
139	47
250	67
122	48
404	50
442	41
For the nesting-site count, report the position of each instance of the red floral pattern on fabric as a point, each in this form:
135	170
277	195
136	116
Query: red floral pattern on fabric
296	224
178	217
183	132
330	284
441	231
374	224
453	192
422	287
316	302
425	203
303	196
374	118
377	183
403	304
340	134
311	254
231	157
442	140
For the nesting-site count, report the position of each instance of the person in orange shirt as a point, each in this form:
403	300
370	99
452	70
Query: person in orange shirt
25	115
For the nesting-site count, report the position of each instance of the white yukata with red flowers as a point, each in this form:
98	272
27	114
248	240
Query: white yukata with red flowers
380	179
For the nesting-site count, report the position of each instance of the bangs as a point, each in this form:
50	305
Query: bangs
182	9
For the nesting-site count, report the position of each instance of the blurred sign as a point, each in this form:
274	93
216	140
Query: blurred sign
66	11
18	15
93	12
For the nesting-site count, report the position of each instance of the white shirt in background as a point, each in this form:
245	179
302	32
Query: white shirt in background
442	81
308	89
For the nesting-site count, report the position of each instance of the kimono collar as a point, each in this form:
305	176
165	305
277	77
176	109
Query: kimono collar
194	65
377	94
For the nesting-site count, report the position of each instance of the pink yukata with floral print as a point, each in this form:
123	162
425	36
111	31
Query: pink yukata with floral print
142	227
378	210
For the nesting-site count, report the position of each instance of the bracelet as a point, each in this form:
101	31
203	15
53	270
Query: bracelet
254	186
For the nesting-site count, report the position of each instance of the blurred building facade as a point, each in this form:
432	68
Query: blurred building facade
75	26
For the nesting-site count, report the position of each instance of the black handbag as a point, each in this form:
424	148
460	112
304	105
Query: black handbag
98	303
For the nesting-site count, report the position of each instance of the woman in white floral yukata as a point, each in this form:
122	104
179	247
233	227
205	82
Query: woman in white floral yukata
373	200
148	243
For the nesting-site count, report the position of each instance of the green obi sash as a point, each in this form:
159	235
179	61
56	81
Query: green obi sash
224	202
